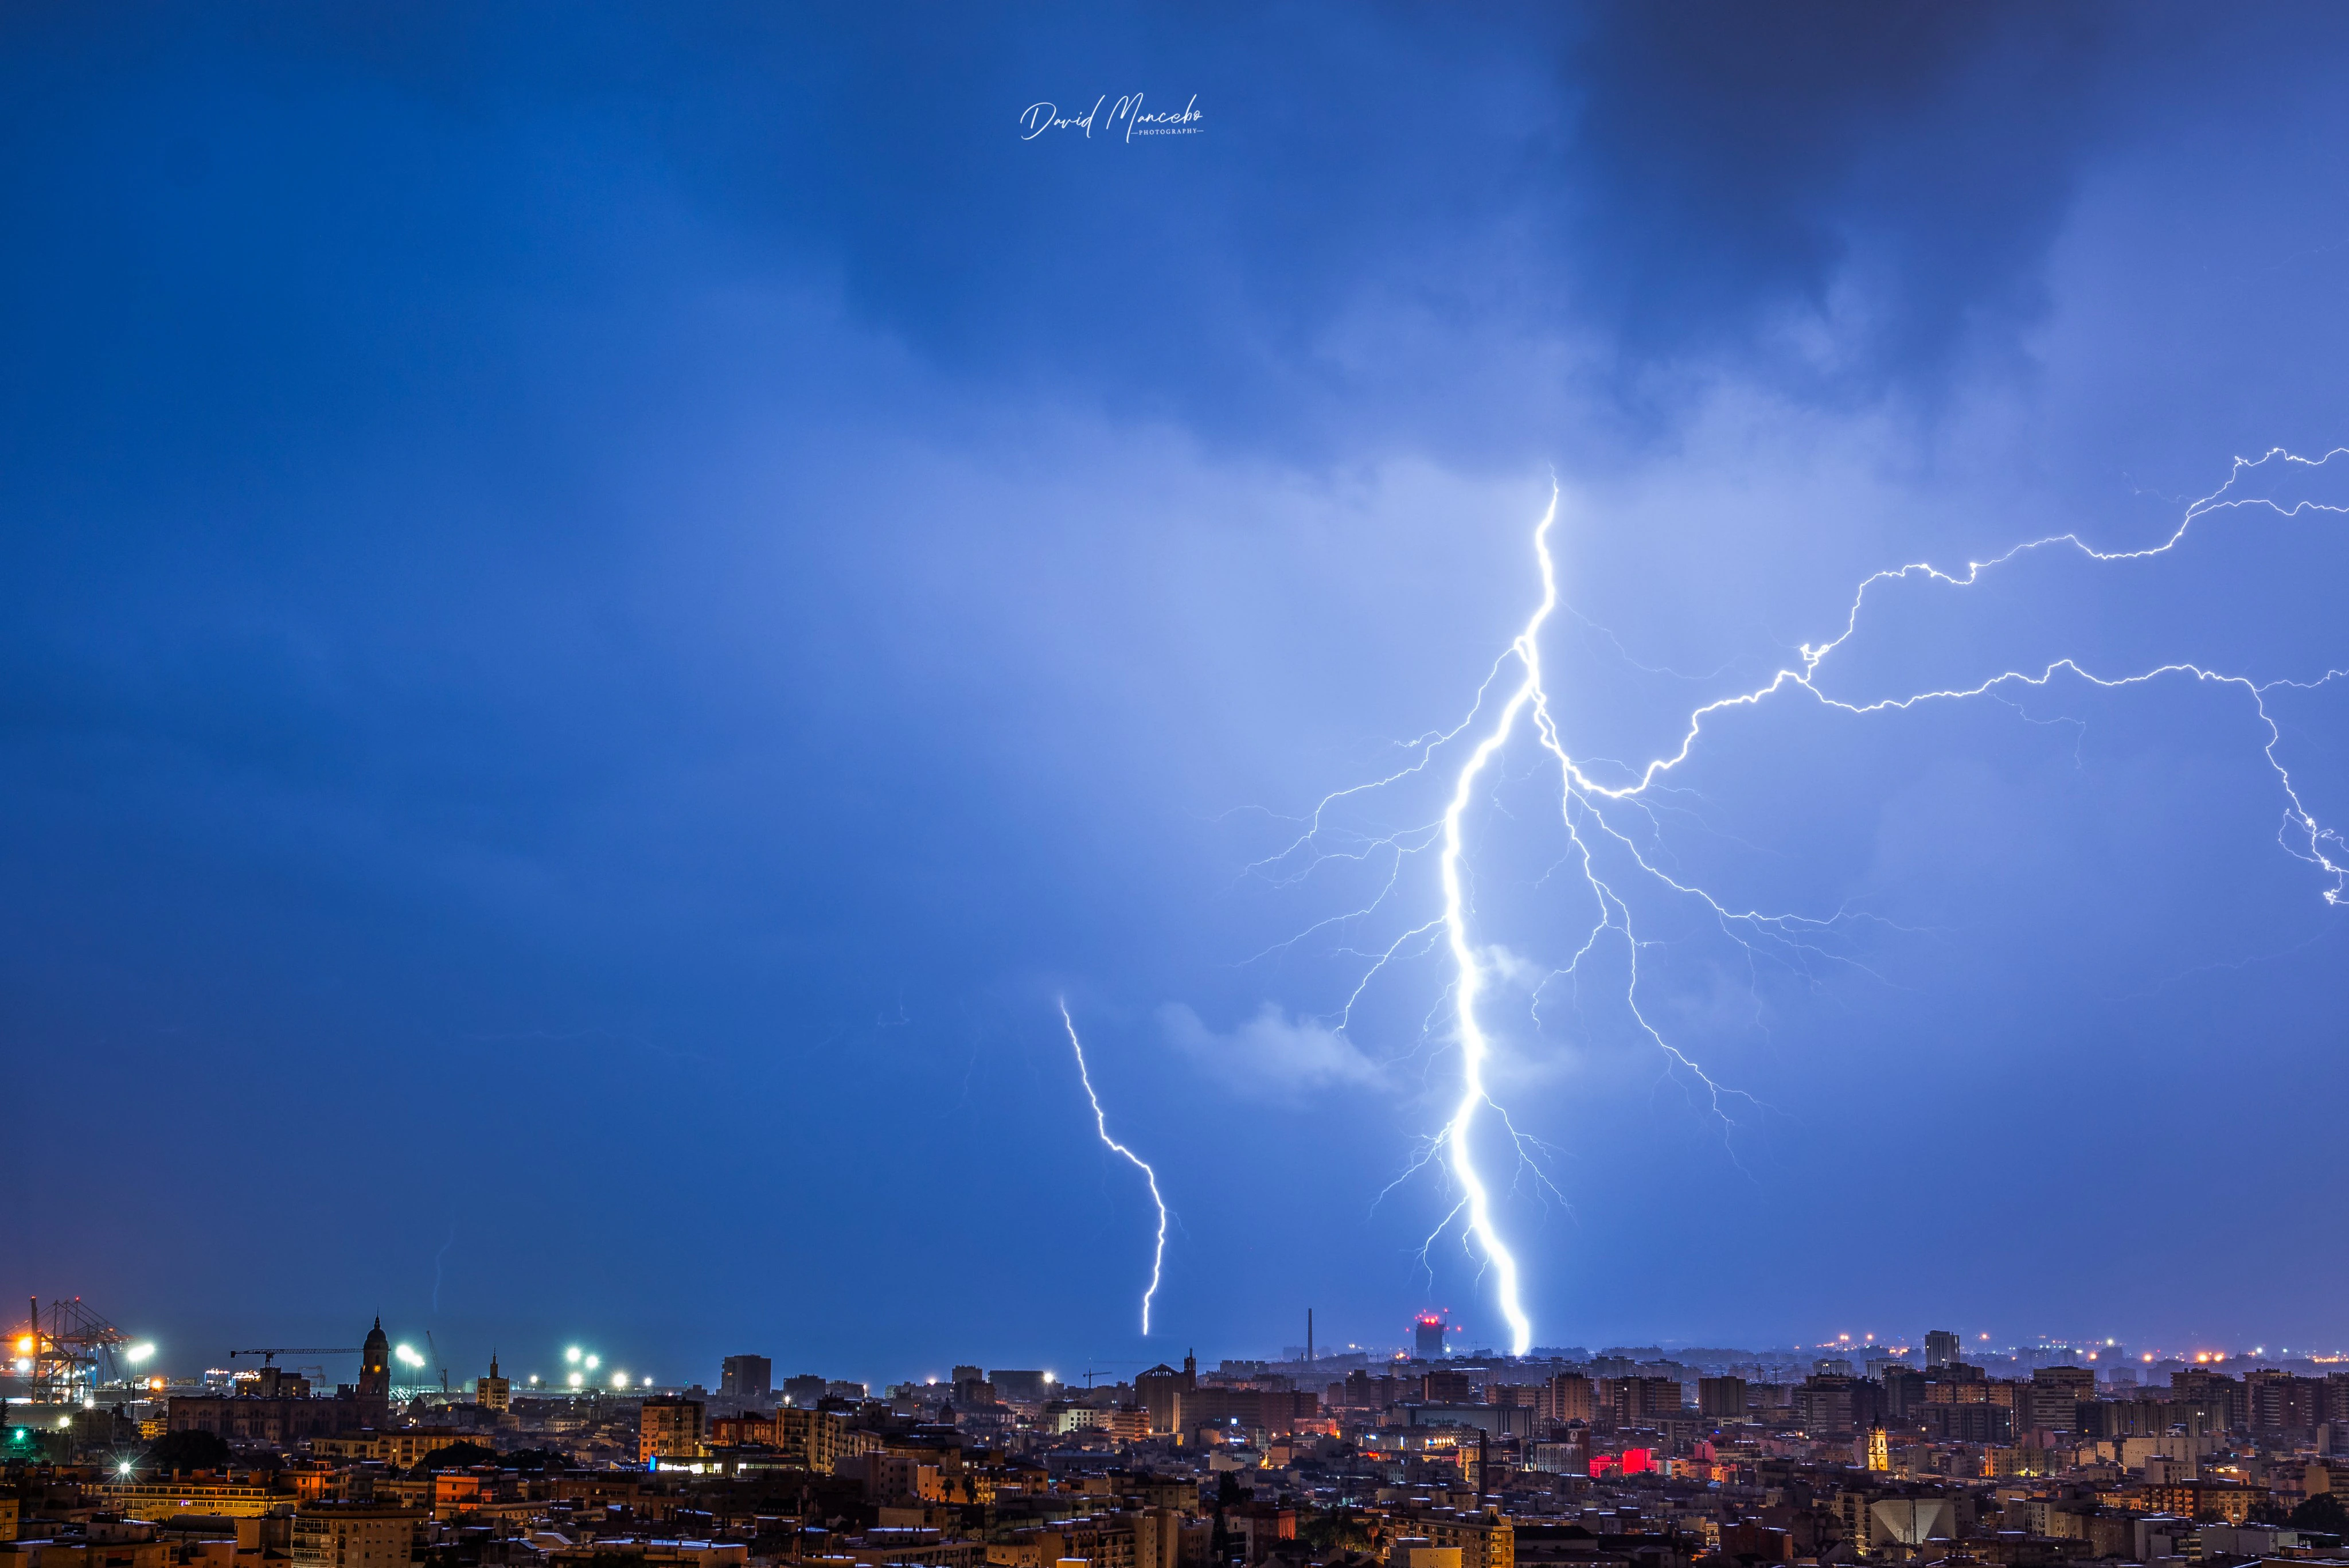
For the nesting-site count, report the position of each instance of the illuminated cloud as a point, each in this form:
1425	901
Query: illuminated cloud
1271	1057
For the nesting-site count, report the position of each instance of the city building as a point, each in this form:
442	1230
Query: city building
355	1535
669	1427
1483	1540
2281	1406
1635	1401
1834	1404
1160	1390
494	1392
746	1377
1443	1388
166	1499
1025	1387
1567	1397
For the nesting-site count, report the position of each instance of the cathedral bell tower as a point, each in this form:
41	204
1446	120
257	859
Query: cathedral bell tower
375	1364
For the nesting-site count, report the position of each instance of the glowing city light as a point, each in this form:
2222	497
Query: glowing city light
572	1355
407	1355
594	1362
138	1352
576	1380
620	1380
1101	1124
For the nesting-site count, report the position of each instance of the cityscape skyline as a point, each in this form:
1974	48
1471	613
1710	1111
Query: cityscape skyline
548	1361
1424	1459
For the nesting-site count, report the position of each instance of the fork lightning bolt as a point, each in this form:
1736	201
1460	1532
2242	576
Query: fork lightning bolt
1584	802
1469	974
1100	1123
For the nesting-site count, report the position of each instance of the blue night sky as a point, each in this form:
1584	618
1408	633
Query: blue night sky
599	608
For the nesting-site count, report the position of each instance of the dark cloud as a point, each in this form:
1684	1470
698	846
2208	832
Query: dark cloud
1740	168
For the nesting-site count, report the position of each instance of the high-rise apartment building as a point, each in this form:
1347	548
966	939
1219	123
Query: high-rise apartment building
2283	1408
1565	1397
1831	1405
668	1427
1940	1347
1443	1388
1721	1398
817	1441
1638	1401
747	1378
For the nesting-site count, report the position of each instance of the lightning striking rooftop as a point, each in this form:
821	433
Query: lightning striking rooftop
1584	802
1101	1124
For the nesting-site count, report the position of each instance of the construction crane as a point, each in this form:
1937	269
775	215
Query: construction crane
269	1354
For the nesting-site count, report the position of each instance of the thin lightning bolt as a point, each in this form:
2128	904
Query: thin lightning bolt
1584	802
1101	1122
